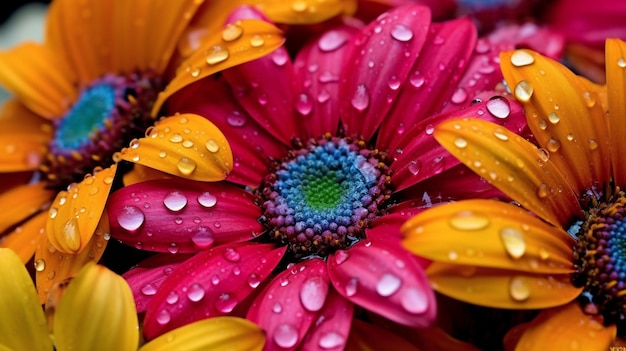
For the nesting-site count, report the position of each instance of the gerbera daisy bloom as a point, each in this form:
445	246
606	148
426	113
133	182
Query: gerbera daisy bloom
559	247
109	319
331	154
84	95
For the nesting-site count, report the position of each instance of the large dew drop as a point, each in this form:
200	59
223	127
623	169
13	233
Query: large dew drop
285	335
401	32
513	241
522	58
388	284
313	293
519	289
130	218
175	201
469	220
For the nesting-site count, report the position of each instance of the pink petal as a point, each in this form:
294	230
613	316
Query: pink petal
179	216
212	99
318	69
385	279
432	79
332	326
287	307
418	156
381	59
146	278
211	283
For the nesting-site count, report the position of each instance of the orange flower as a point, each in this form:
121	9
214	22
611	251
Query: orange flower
86	94
561	247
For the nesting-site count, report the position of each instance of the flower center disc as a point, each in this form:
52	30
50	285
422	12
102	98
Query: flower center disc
600	261
324	194
107	115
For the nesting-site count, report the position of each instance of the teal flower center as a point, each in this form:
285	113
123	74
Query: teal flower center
107	115
600	261
324	194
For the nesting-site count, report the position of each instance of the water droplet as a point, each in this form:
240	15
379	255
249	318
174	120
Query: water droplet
256	41
232	255
621	62
361	99
130	218
543	253
186	166
500	133
590	99
341	256
313	293
453	255
519	289
542	191
149	289
553	145
285	335
172	248
524	91
53	212
459	96
235	119
553	118
207	199
414	300
196	72
215	280
304	104
299	6
499	107
232	32
415	167
460	143
522	58
393	83
430	129
543	154
212	146
172	298
351	286
469	220
204	238
332	40
331	340
401	32
175	201
176	138
226	302
513	241
40	265
253	280
163	317
162	154
195	292
416	79
388	284
217	54
593	144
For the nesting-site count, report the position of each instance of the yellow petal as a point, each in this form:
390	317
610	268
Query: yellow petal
22	326
186	145
96	312
38	78
141	173
22	202
367	337
564	116
501	288
513	165
24	138
215	334
240	42
24	239
616	89
490	234
53	266
566	328
75	213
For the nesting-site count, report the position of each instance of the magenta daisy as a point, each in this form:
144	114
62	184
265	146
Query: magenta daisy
333	151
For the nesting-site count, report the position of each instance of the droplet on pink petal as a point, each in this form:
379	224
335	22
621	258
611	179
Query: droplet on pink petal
313	293
285	335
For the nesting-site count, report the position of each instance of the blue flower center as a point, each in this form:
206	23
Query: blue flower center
323	195
600	260
107	115
87	116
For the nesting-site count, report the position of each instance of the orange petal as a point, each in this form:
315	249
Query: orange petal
564	116
587	60
367	337
24	136
566	328
501	288
240	42
141	173
186	145
38	78
490	234
75	213
53	266
304	11
513	165
22	202
616	89
25	238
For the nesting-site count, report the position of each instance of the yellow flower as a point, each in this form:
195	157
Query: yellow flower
561	246
97	312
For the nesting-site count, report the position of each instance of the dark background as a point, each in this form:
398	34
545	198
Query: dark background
9	6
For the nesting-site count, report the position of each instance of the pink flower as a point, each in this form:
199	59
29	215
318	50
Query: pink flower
333	152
